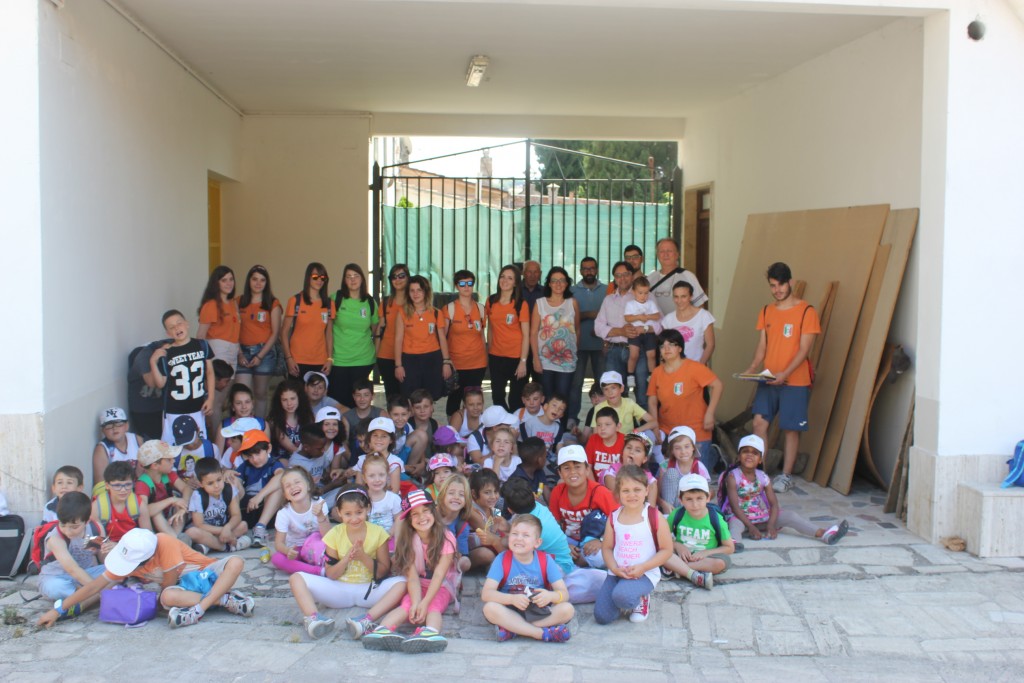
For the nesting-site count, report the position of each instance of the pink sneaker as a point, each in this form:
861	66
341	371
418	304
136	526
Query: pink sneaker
641	611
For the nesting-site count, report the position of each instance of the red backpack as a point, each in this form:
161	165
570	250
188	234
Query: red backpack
652	518
506	568
38	553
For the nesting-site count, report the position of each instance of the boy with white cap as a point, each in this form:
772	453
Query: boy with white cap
700	535
573	499
161	559
632	418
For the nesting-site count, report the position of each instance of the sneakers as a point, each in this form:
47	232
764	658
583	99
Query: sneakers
703	580
557	634
666	573
503	634
259	536
782	483
201	548
241	543
631	381
358	627
184	616
641	611
317	627
240	604
835	532
383	638
424	639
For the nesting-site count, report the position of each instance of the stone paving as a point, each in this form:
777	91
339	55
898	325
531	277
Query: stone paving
880	605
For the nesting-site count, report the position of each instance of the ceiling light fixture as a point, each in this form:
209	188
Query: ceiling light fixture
477	67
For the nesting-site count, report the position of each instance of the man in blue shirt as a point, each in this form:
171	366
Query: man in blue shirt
589	293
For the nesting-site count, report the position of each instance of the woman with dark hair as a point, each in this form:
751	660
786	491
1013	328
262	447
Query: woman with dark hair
306	337
465	321
556	318
390	308
220	325
421	346
261	323
355	327
675	394
508	336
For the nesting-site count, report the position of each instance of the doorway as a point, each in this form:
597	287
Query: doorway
697	233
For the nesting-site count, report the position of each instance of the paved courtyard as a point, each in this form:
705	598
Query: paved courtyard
881	605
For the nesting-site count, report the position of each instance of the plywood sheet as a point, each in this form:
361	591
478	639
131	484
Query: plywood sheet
822	470
899	233
820	246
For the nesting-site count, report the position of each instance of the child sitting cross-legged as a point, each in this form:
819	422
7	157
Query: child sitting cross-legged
71	548
217	522
524	594
161	559
700	536
358	560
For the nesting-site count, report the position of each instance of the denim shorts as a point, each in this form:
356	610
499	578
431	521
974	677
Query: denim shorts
268	366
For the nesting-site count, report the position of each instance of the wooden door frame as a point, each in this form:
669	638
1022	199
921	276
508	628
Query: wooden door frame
693	259
214	234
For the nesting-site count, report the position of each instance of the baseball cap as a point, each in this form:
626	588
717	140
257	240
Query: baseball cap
114	414
154	450
446	436
682	430
610	377
693	482
328	413
496	415
440	460
239	427
572	454
251	438
382	423
314	373
752	440
184	429
134	548
415	499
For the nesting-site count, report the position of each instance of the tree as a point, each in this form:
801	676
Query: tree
566	167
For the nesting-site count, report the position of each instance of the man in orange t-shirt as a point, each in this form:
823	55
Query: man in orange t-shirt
161	559
788	328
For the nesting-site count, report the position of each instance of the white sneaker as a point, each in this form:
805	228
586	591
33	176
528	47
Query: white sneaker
641	611
318	627
782	483
242	542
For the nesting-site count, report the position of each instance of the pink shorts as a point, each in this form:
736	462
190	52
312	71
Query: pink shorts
439	604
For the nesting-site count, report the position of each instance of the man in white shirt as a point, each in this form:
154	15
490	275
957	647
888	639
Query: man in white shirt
670	273
611	326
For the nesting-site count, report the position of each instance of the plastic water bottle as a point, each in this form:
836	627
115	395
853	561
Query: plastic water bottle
265	555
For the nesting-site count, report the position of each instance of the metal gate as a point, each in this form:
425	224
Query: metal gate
438	225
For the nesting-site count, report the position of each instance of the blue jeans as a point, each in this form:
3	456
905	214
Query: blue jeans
617	358
60	586
596	359
556	383
618	594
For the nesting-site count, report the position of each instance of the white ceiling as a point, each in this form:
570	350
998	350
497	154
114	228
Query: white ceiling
410	56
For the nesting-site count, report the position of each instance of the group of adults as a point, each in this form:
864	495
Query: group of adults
553	331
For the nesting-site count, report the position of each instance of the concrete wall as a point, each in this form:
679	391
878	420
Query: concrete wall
126	141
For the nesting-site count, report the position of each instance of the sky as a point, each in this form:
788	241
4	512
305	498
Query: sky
508	162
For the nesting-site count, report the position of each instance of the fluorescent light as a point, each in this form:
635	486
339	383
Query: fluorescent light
477	67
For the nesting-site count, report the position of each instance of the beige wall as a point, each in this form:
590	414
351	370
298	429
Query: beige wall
303	196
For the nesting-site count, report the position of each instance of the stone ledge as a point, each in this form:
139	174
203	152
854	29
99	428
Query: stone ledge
990	518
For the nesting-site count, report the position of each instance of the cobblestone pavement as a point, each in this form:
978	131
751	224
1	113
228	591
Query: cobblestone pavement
881	605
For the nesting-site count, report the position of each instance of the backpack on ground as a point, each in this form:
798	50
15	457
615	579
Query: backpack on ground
13	545
1016	475
506	568
106	508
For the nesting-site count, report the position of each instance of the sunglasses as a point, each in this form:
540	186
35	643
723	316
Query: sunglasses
399	276
314	276
465	283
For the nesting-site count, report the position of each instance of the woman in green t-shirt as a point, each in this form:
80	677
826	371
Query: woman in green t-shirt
355	327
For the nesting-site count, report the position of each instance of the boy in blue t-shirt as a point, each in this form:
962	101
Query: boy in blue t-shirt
702	547
261	479
525	595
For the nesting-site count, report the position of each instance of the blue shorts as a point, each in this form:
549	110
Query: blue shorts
789	403
268	366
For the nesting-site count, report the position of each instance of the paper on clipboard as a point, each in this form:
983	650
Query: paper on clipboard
763	376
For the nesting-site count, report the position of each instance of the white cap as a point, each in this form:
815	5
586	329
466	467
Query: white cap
496	415
328	413
239	427
752	440
134	548
682	430
693	482
314	373
572	454
610	377
381	423
112	415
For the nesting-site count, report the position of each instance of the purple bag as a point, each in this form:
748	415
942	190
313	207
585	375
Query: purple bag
127	605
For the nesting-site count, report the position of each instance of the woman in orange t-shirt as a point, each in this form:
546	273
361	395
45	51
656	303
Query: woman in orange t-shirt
465	321
261	323
307	336
389	312
421	349
508	334
220	325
